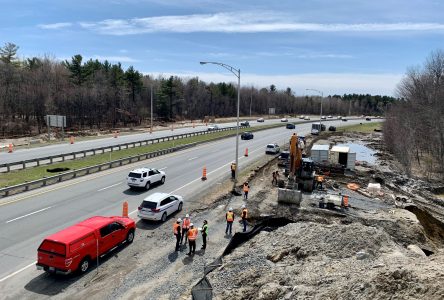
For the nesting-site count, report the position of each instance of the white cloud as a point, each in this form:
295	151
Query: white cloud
242	22
55	25
329	83
123	59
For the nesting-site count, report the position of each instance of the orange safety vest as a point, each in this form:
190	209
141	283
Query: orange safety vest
233	167
244	213
230	216
186	223
345	199
175	228
320	178
246	188
192	234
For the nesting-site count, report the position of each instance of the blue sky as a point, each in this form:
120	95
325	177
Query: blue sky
344	46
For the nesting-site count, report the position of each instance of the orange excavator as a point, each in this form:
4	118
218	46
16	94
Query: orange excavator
301	168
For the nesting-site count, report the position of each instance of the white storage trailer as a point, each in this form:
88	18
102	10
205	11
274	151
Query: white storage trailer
342	155
320	153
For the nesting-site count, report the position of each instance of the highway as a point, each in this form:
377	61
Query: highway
64	148
27	218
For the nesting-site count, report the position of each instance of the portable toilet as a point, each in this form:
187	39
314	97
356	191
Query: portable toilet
320	153
342	155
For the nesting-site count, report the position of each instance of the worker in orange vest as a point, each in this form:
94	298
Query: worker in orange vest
319	181
229	216
244	216
192	236
185	227
176	231
246	190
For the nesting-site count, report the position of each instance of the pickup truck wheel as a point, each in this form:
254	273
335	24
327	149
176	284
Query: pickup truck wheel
162	181
147	186
180	207
164	217
130	236
84	265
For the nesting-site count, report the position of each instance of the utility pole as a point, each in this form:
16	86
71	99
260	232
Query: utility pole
151	115
349	107
251	99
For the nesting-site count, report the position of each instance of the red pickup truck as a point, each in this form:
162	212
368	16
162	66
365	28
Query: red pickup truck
76	247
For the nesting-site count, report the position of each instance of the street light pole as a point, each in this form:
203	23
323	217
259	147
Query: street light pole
151	115
322	97
236	73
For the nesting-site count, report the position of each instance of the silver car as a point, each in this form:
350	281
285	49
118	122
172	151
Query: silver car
158	206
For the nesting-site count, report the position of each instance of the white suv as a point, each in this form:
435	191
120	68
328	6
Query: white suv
272	148
145	177
159	206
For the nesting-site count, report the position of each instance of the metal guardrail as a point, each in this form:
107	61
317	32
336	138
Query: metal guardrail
24	187
47	160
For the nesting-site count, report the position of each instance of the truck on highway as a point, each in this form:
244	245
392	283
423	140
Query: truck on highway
316	128
76	247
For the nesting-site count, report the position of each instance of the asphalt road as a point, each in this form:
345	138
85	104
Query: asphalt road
27	218
65	148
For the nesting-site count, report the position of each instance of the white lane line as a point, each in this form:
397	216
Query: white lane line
18	271
192	158
27	215
164	168
105	188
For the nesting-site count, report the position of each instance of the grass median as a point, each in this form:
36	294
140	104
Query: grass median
363	127
21	176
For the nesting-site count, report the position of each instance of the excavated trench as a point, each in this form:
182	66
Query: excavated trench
433	228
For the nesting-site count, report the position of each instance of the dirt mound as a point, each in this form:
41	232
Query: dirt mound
334	261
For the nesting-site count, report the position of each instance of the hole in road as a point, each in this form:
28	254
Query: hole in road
56	170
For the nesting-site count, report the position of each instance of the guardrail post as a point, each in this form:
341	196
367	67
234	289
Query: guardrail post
38	162
6	193
84	153
120	147
63	158
23	165
50	160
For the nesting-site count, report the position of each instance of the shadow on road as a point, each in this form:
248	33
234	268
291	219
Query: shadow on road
53	284
138	191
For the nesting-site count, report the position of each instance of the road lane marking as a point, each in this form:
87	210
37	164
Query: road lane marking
161	169
110	186
192	158
27	215
18	271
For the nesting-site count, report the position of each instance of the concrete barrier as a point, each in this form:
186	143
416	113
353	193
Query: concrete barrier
289	196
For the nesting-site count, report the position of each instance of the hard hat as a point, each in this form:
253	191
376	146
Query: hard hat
187	216
243	206
191	225
179	220
230	209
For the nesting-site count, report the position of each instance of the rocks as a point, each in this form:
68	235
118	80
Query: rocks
361	255
415	249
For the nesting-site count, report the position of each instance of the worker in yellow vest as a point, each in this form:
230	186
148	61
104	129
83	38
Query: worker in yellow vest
233	170
185	226
176	231
192	236
244	216
229	216
246	189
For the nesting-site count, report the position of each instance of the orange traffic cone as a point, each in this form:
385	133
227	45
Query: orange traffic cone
246	151
10	148
204	174
71	139
125	209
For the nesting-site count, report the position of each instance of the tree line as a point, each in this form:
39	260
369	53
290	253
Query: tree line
414	129
96	94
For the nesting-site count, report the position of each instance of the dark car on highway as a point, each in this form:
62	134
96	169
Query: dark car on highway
290	126
368	119
245	123
332	128
247	136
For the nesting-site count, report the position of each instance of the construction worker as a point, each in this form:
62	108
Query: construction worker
192	236
233	170
274	181
229	216
246	190
319	180
176	231
244	216
185	227
204	234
